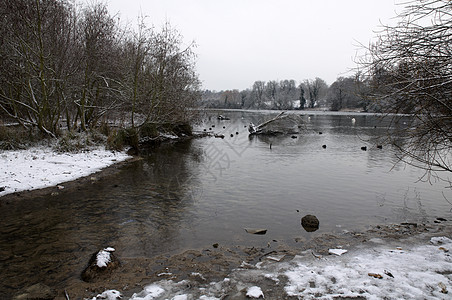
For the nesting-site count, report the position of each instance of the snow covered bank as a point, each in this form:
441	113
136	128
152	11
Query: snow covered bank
375	271
42	167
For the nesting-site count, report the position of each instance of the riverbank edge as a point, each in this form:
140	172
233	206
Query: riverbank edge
202	267
68	185
91	178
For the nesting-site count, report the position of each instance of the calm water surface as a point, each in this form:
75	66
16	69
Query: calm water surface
208	190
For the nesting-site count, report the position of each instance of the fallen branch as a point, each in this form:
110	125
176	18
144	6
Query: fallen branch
253	129
281	124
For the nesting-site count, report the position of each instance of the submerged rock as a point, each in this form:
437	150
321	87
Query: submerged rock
221	117
310	223
256	230
101	263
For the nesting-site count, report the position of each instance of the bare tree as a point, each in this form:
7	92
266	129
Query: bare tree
272	92
301	88
257	93
409	70
288	93
60	61
36	45
174	84
99	58
231	99
136	50
316	88
345	93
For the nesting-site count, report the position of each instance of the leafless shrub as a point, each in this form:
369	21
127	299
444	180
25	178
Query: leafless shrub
409	69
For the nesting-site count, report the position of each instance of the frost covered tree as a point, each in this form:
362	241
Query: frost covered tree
409	69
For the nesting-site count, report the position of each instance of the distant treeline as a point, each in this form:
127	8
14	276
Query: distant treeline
72	66
344	93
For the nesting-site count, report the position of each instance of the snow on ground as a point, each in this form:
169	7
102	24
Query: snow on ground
372	272
42	167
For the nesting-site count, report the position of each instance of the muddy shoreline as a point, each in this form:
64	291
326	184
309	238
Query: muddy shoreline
213	263
216	263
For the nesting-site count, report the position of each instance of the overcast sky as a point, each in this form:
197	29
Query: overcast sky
241	41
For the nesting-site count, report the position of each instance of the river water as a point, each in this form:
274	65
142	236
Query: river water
206	191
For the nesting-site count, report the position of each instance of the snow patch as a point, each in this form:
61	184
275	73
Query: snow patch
169	136
108	295
440	240
375	272
254	292
103	258
198	275
150	292
337	252
41	167
412	274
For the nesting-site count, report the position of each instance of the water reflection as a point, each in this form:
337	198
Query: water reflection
139	211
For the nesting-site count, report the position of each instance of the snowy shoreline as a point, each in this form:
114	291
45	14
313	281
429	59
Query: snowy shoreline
41	167
377	270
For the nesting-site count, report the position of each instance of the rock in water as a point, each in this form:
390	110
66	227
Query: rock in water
310	223
101	263
256	230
